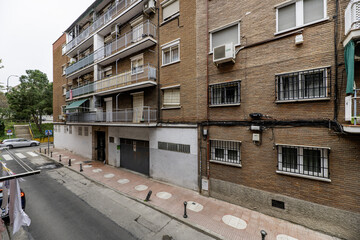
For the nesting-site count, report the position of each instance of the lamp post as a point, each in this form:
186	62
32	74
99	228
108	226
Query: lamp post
7	84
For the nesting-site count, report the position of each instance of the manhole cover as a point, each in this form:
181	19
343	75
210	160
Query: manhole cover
194	206
164	195
123	181
109	175
97	170
141	187
234	222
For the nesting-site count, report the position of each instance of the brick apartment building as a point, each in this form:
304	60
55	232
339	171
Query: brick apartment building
251	102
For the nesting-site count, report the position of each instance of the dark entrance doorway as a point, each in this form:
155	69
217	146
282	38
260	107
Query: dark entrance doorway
134	155
100	147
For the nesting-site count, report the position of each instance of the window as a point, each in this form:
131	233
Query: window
70	129
227	152
176	147
63	49
86	131
310	84
170	9
137	32
227	34
64	90
300	13
171	53
309	161
80	131
171	97
63	70
137	64
225	93
108	72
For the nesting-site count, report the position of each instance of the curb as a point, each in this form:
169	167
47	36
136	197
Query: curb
186	222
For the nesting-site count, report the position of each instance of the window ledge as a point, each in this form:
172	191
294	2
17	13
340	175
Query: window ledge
170	19
303	100
224	105
225	163
164	65
169	108
304	176
304	25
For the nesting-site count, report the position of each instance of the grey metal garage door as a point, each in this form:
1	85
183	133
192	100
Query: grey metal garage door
134	155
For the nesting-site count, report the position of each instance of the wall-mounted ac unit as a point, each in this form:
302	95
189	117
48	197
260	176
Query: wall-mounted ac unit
61	117
149	7
72	60
224	53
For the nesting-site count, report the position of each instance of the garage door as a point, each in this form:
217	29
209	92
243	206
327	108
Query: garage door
134	155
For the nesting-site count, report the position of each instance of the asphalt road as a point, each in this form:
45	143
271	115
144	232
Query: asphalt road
57	213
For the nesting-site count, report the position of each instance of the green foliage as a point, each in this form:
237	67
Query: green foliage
44	126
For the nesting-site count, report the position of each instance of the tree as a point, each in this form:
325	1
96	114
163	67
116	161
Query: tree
32	98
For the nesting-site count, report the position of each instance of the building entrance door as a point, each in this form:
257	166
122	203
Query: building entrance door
100	147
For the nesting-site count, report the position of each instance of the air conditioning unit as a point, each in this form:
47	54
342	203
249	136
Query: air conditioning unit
149	7
72	60
61	117
224	53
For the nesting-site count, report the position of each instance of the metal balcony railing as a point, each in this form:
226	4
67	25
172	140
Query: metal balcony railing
129	115
120	6
352	16
140	74
132	37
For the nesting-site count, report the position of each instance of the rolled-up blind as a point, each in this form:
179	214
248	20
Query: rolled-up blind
286	17
313	10
170	9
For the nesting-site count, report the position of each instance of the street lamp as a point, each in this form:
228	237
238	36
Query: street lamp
7	84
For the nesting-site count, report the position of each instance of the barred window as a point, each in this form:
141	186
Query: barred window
175	147
80	131
227	152
310	84
310	161
224	93
86	131
70	129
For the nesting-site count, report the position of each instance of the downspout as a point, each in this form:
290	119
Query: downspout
207	90
158	67
117	101
336	60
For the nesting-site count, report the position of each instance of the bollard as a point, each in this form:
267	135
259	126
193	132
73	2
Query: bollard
81	169
60	158
45	151
69	162
51	154
185	215
263	234
39	150
148	196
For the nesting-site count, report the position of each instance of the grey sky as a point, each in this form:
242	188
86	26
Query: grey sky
28	30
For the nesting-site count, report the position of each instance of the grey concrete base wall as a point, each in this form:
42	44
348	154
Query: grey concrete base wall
177	168
333	221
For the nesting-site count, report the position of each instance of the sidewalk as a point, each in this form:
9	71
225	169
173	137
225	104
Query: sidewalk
205	214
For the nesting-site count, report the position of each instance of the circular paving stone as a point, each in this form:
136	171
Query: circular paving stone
78	162
141	187
284	237
109	175
97	170
123	181
87	166
194	206
234	222
164	195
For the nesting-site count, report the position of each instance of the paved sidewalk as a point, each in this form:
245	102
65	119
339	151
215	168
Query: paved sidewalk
217	218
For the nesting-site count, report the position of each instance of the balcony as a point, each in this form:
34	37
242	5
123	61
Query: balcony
141	77
128	115
122	11
352	112
128	43
352	21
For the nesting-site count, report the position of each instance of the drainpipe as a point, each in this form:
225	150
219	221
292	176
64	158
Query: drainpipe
116	64
117	101
207	91
158	67
336	59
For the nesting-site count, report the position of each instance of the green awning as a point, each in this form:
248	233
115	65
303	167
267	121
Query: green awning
350	66
75	104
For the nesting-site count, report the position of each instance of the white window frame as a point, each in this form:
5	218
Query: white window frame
299	11
168	47
171	105
225	160
299	171
166	3
222	28
135	59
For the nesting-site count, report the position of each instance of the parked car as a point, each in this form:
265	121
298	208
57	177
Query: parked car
23	200
19	142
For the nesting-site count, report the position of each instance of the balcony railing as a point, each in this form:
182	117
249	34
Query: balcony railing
140	74
120	6
352	16
125	40
353	110
128	115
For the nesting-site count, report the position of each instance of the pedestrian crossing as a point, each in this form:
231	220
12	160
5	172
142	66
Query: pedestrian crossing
8	157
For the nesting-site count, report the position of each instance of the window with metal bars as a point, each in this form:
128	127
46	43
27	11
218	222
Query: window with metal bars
310	84
86	131
309	161
224	93
225	152
80	131
175	147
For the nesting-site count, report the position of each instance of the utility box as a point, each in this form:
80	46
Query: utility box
256	137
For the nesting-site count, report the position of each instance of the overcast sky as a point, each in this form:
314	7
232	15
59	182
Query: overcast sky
27	31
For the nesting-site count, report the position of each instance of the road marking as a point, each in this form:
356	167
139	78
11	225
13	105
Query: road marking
20	155
32	154
7	157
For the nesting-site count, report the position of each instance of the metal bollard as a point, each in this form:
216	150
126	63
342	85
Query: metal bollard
51	154
39	150
263	234
45	151
60	158
81	169
69	162
148	196
185	215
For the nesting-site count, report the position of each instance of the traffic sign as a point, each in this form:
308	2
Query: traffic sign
9	132
48	132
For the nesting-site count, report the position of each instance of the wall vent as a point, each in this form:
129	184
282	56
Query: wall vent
277	204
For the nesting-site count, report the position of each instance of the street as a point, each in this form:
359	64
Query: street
62	204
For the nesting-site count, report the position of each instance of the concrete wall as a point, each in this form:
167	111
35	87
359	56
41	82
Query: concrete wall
78	144
174	167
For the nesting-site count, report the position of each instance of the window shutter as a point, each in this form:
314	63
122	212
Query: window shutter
172	97
313	10
170	9
286	17
227	35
